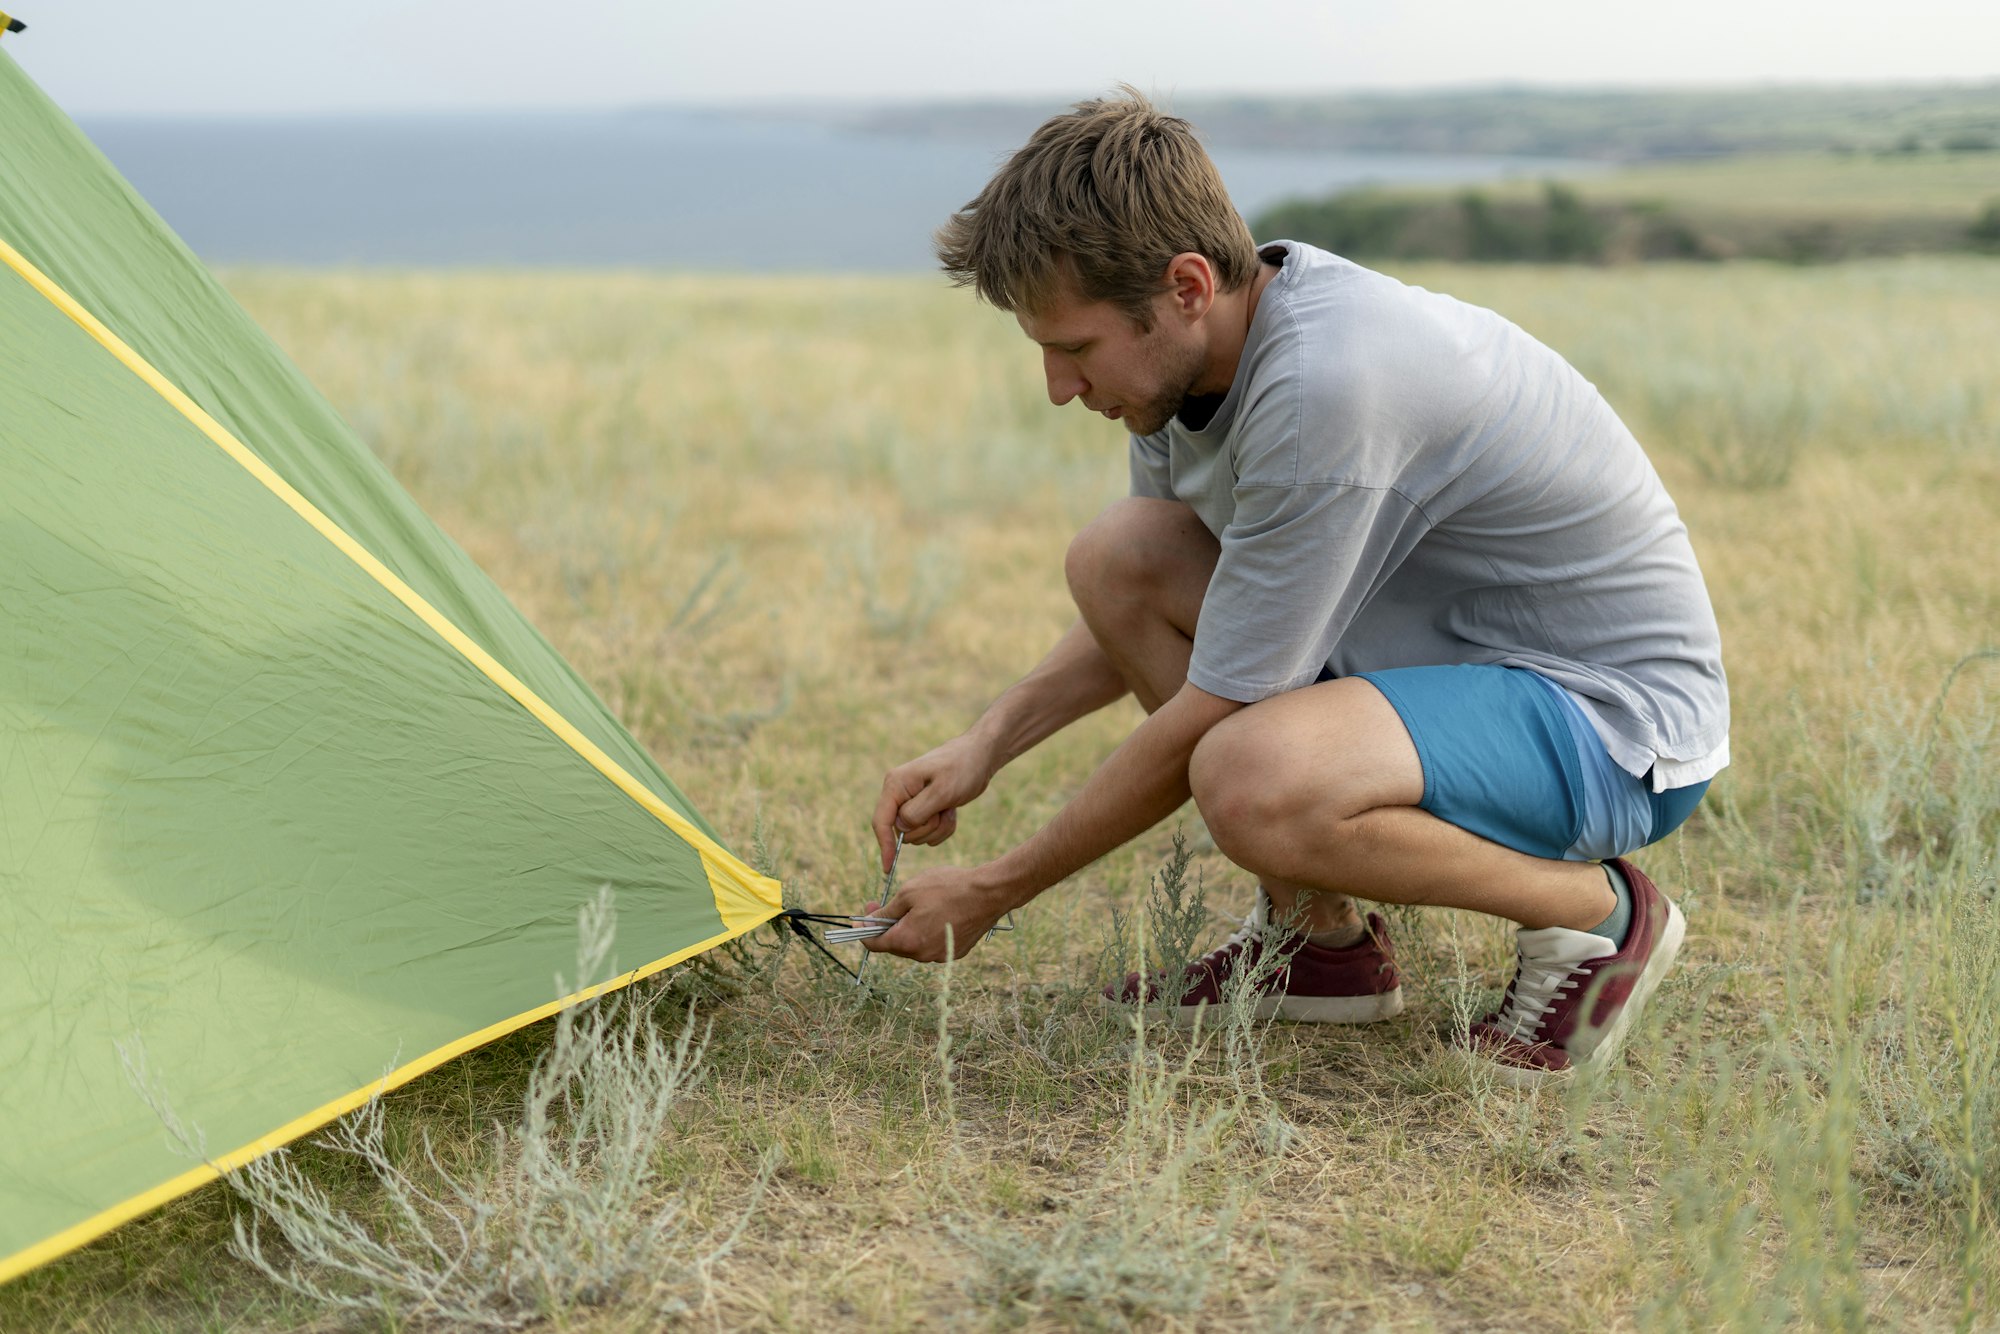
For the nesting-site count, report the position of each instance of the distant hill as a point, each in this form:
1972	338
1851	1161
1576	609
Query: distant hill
1604	125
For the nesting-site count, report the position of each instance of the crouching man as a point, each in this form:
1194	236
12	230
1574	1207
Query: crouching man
1409	611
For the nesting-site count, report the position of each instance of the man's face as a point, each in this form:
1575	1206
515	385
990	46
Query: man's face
1094	351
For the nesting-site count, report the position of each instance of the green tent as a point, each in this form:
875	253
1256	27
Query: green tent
289	792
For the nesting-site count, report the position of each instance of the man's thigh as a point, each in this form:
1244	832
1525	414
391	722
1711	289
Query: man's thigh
1334	749
1484	748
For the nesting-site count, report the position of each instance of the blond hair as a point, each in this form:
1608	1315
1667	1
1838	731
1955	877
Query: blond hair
1103	196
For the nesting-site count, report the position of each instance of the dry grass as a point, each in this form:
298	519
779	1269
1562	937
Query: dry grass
796	530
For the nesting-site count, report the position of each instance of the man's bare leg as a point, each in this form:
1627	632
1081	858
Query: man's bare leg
1319	788
1138	574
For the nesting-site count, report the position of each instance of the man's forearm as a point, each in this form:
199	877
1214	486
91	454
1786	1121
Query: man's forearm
1075	678
1140	784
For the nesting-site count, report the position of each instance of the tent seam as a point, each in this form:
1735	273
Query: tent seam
731	881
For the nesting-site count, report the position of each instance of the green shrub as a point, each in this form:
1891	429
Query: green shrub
1359	224
1663	234
1490	235
1984	232
1573	233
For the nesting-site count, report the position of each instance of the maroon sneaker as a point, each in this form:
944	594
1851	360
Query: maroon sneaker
1312	984
1574	995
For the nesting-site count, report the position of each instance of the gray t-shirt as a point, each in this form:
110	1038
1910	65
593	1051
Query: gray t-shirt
1398	479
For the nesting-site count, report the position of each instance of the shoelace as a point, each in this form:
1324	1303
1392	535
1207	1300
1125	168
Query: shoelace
1249	928
1533	995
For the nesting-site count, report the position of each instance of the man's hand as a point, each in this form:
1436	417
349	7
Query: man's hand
922	797
946	896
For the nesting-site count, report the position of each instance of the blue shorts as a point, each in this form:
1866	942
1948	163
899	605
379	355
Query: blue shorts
1508	755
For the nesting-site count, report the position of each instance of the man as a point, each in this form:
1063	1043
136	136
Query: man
1412	618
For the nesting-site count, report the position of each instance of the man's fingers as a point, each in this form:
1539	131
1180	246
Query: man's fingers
893	939
924	930
942	827
923	807
896	907
895	791
907	939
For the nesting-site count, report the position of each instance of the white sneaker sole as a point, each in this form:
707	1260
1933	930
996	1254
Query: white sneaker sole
1612	1041
1291	1009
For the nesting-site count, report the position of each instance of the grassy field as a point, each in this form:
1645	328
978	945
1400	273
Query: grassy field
1811	205
1843	186
799	530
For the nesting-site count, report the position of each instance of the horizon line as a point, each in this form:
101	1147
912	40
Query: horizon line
835	105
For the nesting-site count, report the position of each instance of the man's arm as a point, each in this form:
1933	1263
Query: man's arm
923	796
1140	784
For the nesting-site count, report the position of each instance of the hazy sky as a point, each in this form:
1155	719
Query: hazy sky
278	56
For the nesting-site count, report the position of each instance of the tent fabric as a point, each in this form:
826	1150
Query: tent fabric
292	799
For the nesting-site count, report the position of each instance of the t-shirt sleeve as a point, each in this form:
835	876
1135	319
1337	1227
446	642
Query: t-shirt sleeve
1150	476
1298	562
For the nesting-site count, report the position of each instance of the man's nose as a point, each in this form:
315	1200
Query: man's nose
1064	381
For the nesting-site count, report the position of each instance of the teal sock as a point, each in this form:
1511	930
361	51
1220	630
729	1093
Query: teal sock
1614	927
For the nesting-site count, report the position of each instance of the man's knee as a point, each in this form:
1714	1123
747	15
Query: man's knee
1300	761
1240	785
1138	544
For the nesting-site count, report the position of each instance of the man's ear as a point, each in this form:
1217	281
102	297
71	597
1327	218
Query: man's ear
1191	284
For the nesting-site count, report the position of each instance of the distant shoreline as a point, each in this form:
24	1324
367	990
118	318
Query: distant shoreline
689	190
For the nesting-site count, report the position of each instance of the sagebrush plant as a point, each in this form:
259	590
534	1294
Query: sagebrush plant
1243	1031
564	1207
1148	1230
1174	917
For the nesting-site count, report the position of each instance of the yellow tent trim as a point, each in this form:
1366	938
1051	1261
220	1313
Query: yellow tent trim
90	1229
743	898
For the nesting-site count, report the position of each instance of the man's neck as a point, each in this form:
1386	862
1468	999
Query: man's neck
1233	312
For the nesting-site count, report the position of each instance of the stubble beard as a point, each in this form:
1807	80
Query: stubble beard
1181	367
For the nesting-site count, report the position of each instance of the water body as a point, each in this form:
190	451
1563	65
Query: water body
664	189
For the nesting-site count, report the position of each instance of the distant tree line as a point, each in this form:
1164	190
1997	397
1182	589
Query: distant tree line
1561	227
